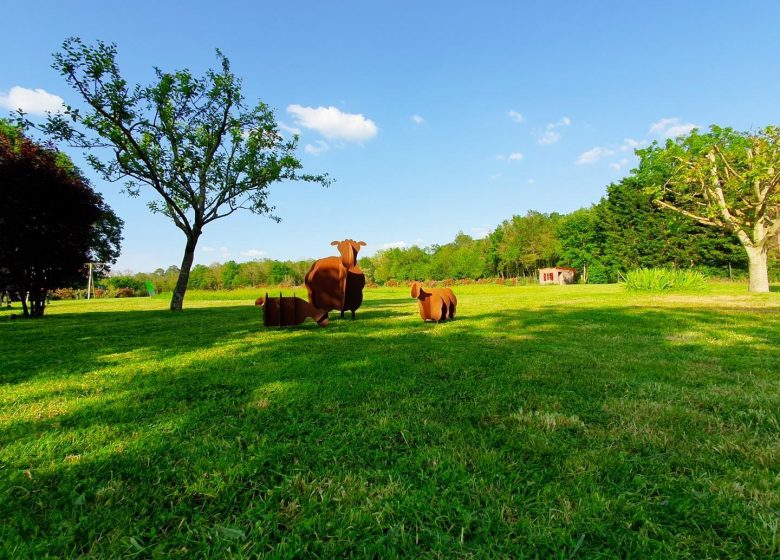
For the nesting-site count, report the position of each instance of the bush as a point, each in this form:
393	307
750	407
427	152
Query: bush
125	292
119	282
63	293
67	293
598	274
663	279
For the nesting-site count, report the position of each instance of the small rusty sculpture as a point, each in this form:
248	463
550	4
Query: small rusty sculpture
285	311
337	282
436	304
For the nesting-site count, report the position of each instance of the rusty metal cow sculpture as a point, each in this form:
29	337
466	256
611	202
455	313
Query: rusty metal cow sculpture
337	282
285	311
436	304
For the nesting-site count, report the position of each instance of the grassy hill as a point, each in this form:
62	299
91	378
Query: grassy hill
551	422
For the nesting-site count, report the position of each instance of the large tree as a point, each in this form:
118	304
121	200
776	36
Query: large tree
51	221
192	140
723	179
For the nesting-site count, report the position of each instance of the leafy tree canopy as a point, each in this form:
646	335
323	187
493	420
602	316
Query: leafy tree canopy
51	221
192	140
723	179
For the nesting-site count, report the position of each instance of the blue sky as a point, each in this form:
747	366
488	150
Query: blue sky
444	119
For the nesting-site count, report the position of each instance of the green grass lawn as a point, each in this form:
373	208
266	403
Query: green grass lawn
544	422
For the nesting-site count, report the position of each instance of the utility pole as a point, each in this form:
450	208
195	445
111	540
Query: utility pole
90	282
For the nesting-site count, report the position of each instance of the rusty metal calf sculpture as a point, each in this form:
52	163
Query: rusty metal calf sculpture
337	282
285	311
436	304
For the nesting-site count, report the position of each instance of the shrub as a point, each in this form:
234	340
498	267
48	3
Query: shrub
598	274
125	292
63	293
68	293
662	279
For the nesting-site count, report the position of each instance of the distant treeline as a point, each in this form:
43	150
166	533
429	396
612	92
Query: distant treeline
622	232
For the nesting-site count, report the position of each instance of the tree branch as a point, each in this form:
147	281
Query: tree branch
700	219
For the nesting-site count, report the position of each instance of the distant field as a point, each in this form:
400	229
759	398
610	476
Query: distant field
544	422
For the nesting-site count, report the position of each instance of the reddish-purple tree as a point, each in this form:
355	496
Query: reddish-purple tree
51	221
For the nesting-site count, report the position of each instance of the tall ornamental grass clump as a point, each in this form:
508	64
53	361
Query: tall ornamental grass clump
664	279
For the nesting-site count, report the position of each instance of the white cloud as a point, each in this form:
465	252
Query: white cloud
549	137
223	252
495	177
394	245
252	253
671	128
287	128
34	101
551	134
417	119
514	156
316	149
595	154
617	165
515	116
332	123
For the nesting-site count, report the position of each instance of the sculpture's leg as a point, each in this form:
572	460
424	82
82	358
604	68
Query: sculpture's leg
353	314
342	313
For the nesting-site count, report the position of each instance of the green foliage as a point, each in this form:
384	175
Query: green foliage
228	273
597	273
192	140
280	272
51	221
523	244
128	285
722	179
665	279
647	424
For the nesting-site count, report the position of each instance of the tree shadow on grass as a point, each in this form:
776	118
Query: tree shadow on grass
497	433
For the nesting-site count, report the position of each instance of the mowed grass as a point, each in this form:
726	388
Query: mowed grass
544	422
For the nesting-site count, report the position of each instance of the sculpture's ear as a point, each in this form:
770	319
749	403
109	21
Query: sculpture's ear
334	243
362	243
415	289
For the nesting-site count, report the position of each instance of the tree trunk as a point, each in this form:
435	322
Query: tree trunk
759	276
23	297
177	301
